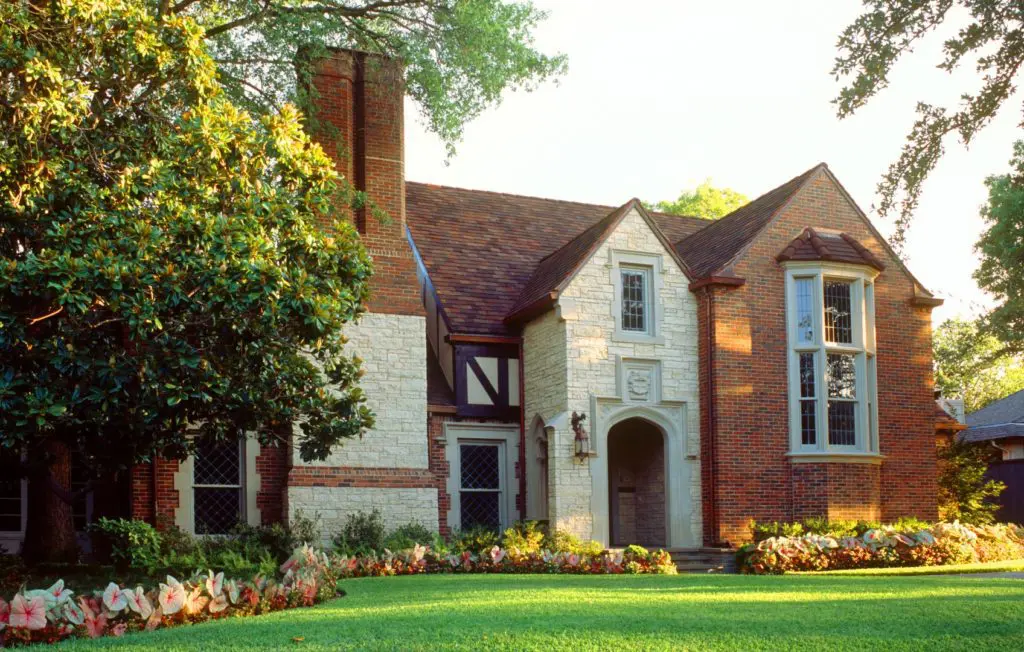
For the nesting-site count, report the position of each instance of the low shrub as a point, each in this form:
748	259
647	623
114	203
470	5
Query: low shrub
408	536
527	537
280	539
474	540
904	543
561	541
362	533
125	543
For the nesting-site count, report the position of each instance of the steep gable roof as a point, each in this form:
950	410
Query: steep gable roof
709	251
1006	410
482	248
556	270
813	245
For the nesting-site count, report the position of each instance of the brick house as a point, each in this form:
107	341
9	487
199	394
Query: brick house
773	364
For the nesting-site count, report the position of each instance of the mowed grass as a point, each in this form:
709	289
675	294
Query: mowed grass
686	612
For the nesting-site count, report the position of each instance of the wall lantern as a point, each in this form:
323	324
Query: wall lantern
582	441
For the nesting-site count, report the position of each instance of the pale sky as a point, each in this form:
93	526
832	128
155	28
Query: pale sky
663	94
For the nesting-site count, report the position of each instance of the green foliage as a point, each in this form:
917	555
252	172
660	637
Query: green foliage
125	543
836	528
164	270
526	537
561	541
987	35
474	540
281	539
964	493
1001	249
704	201
245	554
459	55
408	536
362	534
972	364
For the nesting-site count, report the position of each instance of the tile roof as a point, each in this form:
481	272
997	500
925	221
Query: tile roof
710	250
482	248
836	247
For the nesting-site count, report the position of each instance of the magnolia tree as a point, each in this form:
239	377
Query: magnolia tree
170	269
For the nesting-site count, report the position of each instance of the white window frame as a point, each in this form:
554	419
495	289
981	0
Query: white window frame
184	484
653	266
505	435
862	348
11	540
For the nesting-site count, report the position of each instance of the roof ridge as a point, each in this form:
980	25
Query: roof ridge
553	199
585	231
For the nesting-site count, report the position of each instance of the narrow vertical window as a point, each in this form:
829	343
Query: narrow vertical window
841	377
635	300
808	401
838	319
805	310
218	475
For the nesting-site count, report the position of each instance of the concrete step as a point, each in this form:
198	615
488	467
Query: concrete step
704	560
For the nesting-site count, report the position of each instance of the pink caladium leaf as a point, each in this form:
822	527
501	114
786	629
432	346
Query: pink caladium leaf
214	584
219	604
5	614
171	598
114	598
28	613
119	629
96	626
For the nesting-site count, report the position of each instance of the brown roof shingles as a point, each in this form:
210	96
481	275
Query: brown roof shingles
708	251
482	248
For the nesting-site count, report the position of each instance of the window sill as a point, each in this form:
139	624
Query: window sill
835	458
637	338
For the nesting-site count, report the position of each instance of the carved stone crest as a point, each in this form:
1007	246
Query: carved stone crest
638	384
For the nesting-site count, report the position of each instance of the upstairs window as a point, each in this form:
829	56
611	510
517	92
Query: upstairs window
830	315
636	283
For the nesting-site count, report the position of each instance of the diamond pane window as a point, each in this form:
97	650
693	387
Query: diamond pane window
842	423
838	320
217	485
808	398
10	492
634	300
480	480
841	376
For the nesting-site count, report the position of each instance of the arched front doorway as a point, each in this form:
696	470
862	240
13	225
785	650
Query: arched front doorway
636	484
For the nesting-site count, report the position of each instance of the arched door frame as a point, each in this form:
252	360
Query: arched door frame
670	418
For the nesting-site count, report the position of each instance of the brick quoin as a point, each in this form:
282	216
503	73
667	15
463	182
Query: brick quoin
753	478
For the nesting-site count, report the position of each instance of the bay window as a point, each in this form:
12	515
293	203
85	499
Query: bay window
831	336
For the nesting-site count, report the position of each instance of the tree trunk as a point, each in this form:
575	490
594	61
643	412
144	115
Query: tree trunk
50	531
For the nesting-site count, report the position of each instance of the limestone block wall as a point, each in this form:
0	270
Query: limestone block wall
398	506
393	349
563	381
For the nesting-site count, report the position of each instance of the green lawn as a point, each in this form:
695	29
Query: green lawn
686	612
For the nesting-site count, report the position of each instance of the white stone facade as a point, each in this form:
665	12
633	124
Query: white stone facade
398	506
394	353
572	362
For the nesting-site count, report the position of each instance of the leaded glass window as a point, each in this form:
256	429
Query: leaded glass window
808	400
842	399
635	300
218	475
805	310
838	318
480	483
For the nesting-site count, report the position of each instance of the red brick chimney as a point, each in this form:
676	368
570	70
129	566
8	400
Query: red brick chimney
361	96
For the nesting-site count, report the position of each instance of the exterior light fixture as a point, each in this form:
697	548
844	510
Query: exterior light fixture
582	440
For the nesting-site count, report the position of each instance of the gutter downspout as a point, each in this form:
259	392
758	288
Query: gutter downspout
712	430
522	436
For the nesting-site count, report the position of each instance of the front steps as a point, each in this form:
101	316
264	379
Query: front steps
704	560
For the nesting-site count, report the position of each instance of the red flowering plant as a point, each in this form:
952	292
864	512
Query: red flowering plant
53	614
504	560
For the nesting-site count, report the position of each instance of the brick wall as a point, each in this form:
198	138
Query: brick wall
752	475
360	122
161	510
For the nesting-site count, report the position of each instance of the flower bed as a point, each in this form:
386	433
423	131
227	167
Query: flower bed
939	544
50	615
633	560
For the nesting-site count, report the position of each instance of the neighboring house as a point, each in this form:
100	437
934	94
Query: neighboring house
774	364
1001	424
